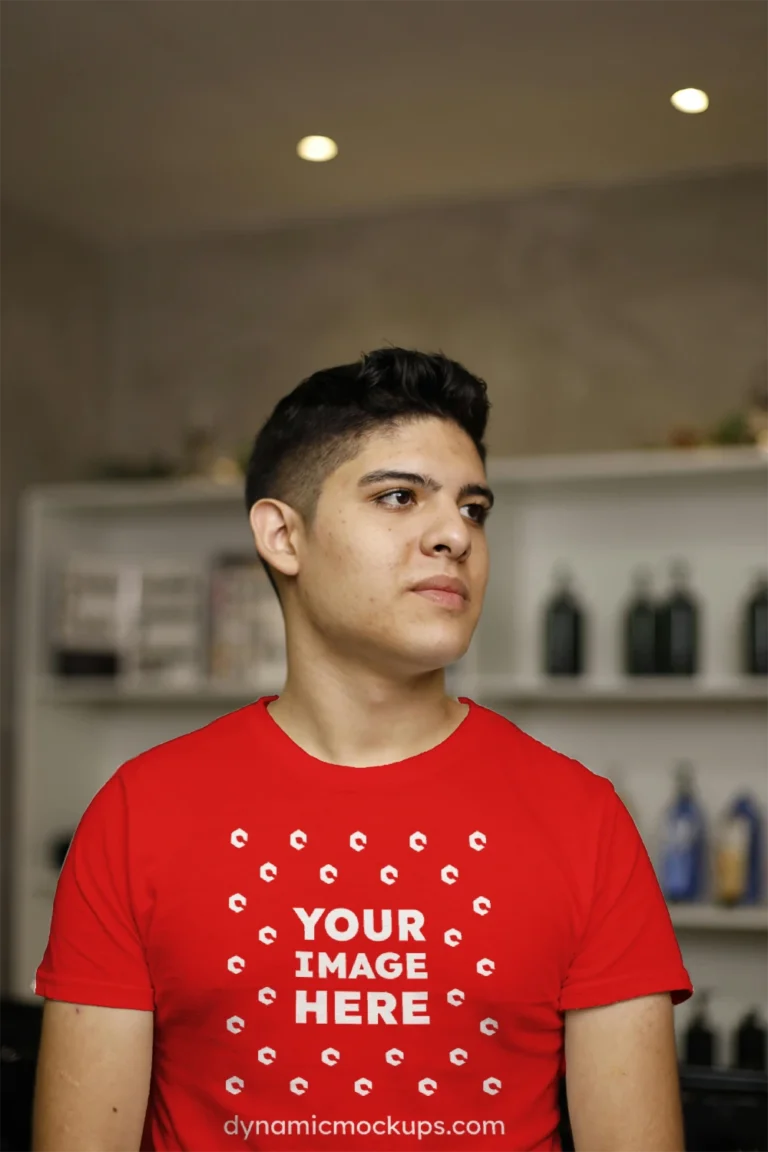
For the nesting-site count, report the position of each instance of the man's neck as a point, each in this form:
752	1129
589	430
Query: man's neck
363	721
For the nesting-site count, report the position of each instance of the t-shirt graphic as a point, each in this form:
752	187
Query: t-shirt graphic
353	958
378	969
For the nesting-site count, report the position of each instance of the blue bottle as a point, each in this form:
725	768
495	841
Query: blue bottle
739	854
682	863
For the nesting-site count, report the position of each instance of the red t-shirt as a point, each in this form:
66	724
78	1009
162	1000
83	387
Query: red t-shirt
349	958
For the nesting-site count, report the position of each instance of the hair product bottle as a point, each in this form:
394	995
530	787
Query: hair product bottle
640	628
699	1037
738	853
755	657
749	1043
678	627
683	845
563	629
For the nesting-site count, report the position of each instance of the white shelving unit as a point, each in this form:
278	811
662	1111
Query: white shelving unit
602	515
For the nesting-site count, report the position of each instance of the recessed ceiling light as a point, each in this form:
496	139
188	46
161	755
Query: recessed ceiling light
317	148
690	100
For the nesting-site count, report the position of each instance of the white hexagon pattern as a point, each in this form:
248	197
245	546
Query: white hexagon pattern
328	873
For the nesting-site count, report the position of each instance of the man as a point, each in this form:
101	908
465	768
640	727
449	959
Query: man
361	914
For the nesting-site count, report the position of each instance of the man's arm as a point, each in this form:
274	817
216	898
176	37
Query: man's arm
92	1081
622	1078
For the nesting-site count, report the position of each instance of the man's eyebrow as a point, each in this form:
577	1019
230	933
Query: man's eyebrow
382	475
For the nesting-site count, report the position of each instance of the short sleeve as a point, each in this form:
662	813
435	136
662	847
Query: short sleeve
95	954
628	947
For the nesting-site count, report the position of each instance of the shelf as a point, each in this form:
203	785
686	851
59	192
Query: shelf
603	514
664	690
170	494
710	918
498	689
642	464
96	691
135	495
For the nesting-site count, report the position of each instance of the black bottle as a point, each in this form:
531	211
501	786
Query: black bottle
699	1038
563	630
750	1044
640	629
677	628
756	631
750	1051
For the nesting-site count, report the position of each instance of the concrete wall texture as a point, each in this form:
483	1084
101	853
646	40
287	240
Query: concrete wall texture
599	317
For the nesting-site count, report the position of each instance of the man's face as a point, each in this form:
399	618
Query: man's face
373	539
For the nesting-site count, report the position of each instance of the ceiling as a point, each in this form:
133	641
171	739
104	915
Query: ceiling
123	120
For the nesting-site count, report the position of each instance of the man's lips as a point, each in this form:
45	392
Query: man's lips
443	584
449	591
442	596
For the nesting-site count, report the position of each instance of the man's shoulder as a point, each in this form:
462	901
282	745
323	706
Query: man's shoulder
539	768
191	756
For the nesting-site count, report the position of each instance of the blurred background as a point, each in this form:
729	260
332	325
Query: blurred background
570	198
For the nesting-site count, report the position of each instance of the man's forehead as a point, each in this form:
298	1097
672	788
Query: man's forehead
416	446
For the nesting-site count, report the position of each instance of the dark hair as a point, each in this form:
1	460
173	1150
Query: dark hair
320	424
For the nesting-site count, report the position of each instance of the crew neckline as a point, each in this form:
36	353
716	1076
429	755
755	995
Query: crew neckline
290	758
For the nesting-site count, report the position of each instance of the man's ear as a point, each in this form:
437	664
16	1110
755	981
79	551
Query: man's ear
276	528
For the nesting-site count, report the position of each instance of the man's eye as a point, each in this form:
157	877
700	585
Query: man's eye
478	514
481	512
396	492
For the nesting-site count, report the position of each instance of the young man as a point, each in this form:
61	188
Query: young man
361	914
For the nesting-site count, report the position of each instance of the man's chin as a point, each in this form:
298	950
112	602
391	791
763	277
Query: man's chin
429	656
